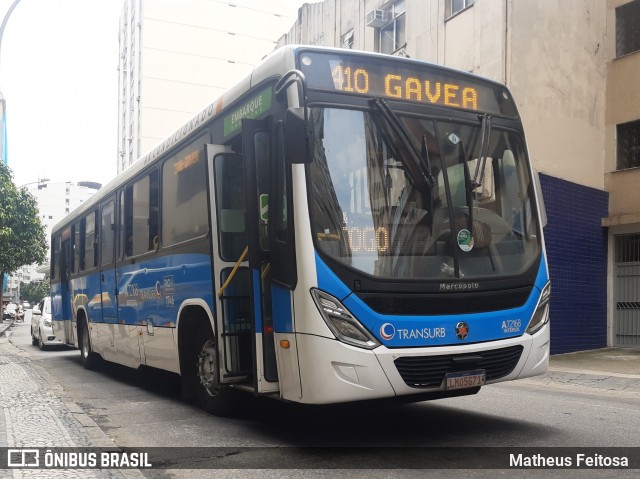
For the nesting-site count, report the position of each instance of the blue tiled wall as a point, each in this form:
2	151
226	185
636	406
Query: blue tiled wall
577	252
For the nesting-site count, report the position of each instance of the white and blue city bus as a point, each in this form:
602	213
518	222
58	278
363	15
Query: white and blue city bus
339	226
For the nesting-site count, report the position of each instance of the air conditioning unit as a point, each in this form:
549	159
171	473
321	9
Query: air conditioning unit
378	18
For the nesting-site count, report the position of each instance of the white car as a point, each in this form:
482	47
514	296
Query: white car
41	327
9	312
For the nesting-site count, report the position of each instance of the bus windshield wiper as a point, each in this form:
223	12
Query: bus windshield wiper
478	176
426	161
462	160
416	162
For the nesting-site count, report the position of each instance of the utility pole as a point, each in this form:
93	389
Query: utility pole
3	103
6	19
3	130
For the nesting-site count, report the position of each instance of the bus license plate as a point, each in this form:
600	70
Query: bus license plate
467	379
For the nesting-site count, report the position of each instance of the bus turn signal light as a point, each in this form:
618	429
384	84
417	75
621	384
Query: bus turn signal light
284	343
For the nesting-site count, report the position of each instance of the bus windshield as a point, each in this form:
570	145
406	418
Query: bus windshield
370	212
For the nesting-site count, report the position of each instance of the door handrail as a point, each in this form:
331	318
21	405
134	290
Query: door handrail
233	271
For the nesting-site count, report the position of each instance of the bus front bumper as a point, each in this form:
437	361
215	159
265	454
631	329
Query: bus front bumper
333	372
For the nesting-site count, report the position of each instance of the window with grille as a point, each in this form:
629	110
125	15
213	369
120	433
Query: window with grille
628	248
628	28
392	36
628	145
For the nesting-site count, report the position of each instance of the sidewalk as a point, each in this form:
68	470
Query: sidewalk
37	413
612	369
619	362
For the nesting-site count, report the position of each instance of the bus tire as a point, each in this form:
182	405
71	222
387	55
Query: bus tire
88	358
215	398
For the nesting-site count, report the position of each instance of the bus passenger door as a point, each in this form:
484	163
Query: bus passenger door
65	271
232	328
257	147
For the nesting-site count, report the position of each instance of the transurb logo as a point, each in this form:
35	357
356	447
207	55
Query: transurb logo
462	330
387	331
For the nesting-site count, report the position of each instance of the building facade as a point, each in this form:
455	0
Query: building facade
177	57
572	81
622	170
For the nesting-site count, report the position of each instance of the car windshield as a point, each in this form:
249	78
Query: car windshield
11	307
370	212
46	308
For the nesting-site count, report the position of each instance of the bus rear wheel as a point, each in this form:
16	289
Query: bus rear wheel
214	397
88	358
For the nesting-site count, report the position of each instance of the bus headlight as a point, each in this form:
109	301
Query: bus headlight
341	322
541	314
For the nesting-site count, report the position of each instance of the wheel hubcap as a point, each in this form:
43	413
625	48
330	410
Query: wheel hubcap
207	370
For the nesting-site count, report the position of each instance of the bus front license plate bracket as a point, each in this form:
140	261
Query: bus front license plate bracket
465	379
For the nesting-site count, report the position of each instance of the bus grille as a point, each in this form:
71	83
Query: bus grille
453	303
429	371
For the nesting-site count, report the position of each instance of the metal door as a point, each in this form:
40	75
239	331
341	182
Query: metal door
627	291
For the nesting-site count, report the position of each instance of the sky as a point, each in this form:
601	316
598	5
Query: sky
58	75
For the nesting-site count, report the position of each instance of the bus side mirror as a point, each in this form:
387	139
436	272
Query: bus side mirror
297	147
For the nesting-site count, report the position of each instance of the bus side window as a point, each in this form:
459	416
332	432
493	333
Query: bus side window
55	255
184	194
122	246
230	206
75	234
72	250
141	215
154	211
107	233
88	238
66	257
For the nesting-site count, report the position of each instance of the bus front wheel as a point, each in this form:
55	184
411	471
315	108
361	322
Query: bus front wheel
215	398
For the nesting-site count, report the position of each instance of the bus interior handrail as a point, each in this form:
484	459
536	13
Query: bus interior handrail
233	271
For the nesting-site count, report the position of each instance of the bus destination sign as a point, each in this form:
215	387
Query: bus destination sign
405	81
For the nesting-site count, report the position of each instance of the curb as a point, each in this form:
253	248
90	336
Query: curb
592	372
4	325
